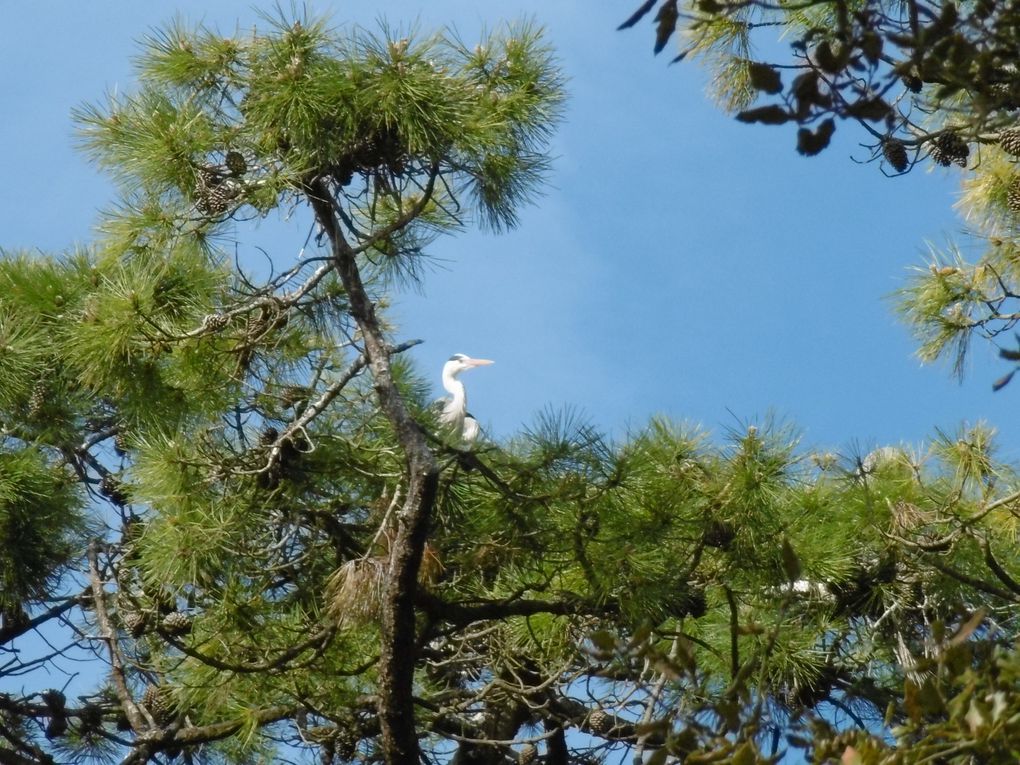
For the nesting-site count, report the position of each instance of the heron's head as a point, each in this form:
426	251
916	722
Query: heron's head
460	362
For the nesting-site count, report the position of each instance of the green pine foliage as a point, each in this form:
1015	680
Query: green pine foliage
41	526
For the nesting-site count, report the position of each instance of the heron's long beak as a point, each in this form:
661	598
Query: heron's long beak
478	362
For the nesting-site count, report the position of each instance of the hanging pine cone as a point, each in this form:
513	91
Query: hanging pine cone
1009	140
214	322
214	201
719	534
113	490
696	603
150	696
161	599
346	743
176	623
1013	195
600	722
528	754
319	734
913	83
159	701
56	727
55	701
37	400
1003	96
235	163
214	192
135	623
948	148
895	154
120	443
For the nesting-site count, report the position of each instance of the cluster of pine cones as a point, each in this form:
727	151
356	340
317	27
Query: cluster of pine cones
217	187
949	148
1009	141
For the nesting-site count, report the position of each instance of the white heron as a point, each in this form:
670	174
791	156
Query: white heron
454	414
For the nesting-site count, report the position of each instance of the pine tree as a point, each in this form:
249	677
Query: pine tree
253	519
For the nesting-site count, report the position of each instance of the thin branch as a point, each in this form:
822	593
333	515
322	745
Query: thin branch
139	722
977	584
9	632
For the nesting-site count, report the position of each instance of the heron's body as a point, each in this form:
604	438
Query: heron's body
454	413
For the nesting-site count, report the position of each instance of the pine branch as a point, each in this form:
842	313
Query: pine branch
972	581
316	407
155	741
463	614
10	757
319	640
8	633
998	570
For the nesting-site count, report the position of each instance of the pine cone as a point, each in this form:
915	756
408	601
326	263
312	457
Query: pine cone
948	148
159	701
56	727
1002	94
346	743
697	605
37	400
120	443
135	623
895	154
214	192
214	201
319	734
176	623
1013	195
528	754
913	83
600	722
235	163
719	534
214	322
1009	140
111	488
54	700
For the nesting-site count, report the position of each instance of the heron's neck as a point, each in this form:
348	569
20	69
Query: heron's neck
455	388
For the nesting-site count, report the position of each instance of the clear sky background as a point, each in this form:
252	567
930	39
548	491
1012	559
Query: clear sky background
680	263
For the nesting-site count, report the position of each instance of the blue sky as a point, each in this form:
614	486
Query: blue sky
679	263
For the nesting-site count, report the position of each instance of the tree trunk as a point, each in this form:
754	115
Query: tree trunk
397	653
